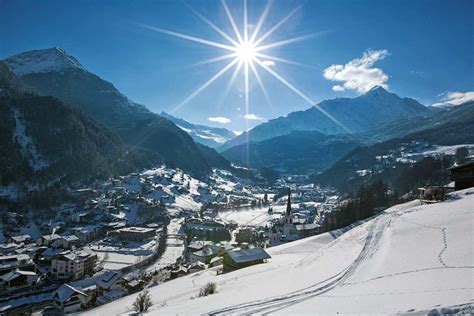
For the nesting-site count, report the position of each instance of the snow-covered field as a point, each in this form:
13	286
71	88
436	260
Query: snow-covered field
117	257
411	258
257	216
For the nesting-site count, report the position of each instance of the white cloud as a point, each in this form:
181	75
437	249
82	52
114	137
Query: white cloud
237	133
338	88
268	63
219	119
455	98
253	117
359	74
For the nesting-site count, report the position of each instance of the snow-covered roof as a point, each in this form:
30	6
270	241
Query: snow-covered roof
70	238
65	291
21	238
246	255
208	251
15	274
51	237
197	265
306	226
108	279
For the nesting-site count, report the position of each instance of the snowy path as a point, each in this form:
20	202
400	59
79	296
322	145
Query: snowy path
174	247
411	258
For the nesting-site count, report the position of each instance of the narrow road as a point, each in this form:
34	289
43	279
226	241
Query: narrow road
174	246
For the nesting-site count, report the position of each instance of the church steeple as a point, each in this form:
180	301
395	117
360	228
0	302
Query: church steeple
288	205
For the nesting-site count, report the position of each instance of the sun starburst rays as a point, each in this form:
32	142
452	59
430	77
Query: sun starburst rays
246	51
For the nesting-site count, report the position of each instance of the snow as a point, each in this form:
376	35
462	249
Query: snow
447	150
410	258
174	246
205	134
28	148
363	172
165	186
114	257
257	216
42	61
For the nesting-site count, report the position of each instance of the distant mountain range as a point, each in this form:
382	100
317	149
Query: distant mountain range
366	112
45	141
206	135
454	127
53	72
61	121
296	152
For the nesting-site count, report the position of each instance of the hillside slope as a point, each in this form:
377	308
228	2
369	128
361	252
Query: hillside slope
400	128
54	72
298	151
456	128
409	258
44	140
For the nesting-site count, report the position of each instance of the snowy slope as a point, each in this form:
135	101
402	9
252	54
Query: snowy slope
410	258
206	135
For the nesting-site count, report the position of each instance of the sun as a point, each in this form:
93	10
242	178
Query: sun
246	52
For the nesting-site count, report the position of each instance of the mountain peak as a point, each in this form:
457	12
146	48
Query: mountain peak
377	89
53	59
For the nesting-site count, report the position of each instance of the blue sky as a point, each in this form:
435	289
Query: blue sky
421	49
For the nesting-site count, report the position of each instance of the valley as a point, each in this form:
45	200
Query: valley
103	201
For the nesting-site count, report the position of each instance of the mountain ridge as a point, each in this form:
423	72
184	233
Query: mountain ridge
296	152
46	141
376	107
63	77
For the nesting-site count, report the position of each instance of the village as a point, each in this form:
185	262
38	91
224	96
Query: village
132	232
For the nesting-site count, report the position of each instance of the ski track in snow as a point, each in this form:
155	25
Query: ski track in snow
375	232
274	304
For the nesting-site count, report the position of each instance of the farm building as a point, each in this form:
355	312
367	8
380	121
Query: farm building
237	259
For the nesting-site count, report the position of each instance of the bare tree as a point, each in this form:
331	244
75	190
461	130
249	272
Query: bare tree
143	302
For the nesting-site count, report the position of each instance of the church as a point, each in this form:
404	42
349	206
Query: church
290	227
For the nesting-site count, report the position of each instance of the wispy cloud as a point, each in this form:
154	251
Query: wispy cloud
359	74
268	63
455	98
237	133
219	119
253	117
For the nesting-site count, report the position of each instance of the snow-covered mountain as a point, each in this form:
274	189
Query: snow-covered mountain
54	72
360	114
45	140
42	61
206	135
411	258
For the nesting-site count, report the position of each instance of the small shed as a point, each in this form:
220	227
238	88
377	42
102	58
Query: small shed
463	175
237	259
